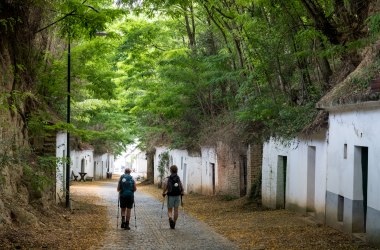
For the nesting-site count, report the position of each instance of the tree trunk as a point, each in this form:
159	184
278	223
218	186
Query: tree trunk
150	165
321	22
190	28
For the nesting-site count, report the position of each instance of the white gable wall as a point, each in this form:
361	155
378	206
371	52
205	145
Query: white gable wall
356	129
272	149
205	181
193	165
298	195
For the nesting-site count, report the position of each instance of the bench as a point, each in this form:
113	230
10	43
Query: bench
75	176
88	178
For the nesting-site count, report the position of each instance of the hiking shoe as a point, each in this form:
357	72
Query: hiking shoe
122	225
171	223
126	227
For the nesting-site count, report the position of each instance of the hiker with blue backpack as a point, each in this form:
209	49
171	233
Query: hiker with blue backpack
174	190
126	188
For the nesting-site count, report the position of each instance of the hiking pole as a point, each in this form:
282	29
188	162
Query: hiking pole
117	216
134	211
162	210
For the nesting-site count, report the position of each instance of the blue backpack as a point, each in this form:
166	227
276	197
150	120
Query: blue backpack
126	183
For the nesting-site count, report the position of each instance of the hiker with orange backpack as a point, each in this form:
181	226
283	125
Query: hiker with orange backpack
174	190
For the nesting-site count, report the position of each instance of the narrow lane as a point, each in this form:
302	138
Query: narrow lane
150	232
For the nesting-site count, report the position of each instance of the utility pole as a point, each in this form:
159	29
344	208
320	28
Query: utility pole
68	161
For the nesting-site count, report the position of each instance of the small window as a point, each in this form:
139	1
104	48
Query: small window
345	151
340	208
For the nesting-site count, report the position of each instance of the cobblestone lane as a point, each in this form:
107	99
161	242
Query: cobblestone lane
152	232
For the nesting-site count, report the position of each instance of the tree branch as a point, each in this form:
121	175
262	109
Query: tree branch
53	23
65	16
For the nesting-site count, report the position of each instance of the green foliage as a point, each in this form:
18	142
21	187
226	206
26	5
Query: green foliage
281	118
38	174
165	71
374	24
77	19
8	23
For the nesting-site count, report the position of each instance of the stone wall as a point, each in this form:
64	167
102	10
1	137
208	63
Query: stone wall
255	160
229	173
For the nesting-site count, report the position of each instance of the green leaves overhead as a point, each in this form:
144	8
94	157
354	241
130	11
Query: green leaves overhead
169	69
82	18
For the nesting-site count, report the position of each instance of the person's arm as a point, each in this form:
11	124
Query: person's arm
119	186
182	191
164	187
134	186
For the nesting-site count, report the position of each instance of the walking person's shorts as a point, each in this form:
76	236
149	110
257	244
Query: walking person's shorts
126	202
174	201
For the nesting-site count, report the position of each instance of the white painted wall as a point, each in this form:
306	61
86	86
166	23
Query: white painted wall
354	128
271	150
141	163
88	158
100	167
177	158
103	163
111	159
297	155
205	180
135	159
159	151
120	163
61	167
193	169
132	158
76	157
193	165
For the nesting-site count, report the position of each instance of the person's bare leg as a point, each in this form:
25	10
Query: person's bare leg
123	212
175	214
171	220
170	213
122	217
128	217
